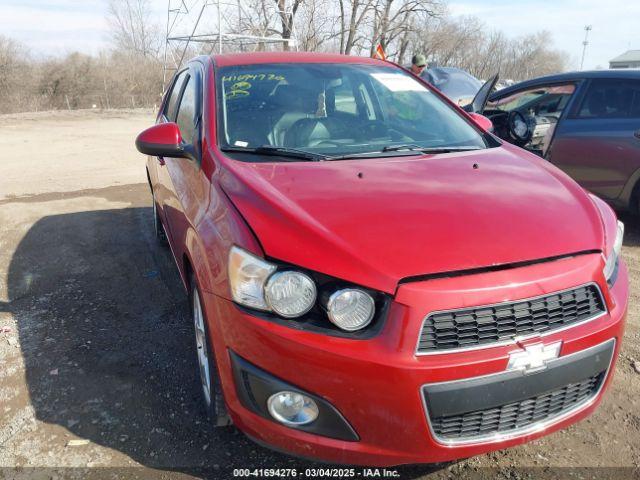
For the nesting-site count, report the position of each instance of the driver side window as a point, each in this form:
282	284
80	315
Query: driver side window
528	118
172	103
549	100
608	98
186	113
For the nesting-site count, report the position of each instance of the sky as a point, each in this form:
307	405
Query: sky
616	24
57	27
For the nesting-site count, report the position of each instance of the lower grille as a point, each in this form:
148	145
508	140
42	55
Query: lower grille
513	402
516	415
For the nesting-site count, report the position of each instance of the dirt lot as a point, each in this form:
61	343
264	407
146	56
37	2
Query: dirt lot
97	367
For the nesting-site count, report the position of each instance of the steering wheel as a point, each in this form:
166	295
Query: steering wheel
519	128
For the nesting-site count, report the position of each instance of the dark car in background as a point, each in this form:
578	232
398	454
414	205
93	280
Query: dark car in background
460	86
586	123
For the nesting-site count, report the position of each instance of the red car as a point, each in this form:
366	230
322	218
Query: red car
375	279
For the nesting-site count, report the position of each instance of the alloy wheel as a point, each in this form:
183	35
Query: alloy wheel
201	345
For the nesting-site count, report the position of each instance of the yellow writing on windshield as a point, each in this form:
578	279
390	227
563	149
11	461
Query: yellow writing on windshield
273	77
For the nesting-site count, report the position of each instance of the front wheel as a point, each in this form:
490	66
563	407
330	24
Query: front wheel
209	379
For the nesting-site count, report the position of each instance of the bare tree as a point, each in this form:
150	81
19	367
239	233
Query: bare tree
393	19
466	43
10	62
131	28
315	25
130	74
255	19
268	18
353	15
451	42
287	16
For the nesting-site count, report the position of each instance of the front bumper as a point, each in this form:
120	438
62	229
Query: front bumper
377	384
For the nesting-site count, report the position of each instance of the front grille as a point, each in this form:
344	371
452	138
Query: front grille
516	415
470	327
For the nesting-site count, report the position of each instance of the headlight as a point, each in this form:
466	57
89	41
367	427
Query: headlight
290	294
261	285
247	277
351	309
256	284
611	266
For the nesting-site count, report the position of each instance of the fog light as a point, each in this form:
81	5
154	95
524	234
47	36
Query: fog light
292	408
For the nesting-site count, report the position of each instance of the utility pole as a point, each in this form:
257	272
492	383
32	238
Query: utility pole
184	29
587	29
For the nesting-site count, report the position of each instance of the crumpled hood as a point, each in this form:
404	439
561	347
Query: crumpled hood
376	221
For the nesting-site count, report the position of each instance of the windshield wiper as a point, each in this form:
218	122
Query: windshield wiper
397	148
462	148
404	150
418	148
277	151
287	152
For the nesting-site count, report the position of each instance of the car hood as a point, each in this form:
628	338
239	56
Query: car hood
377	221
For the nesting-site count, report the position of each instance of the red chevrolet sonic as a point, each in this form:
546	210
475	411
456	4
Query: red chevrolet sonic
375	278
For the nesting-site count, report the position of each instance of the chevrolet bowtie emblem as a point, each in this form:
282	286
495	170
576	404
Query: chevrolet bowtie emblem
534	357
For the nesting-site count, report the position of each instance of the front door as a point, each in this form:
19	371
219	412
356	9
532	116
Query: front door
162	188
189	187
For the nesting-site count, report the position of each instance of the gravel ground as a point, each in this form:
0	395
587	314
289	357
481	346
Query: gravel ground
98	377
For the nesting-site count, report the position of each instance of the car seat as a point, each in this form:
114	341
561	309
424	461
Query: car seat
289	104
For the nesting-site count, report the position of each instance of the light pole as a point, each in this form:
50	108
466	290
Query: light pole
587	29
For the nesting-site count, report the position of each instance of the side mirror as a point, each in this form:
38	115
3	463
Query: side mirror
483	122
162	140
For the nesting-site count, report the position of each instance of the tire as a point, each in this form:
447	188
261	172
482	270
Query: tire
211	389
158	227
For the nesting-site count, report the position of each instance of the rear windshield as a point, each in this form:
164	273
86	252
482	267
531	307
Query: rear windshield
334	109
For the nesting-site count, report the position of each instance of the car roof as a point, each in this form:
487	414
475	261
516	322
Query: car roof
626	73
231	59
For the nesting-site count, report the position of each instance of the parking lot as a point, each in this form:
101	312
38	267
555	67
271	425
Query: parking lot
97	361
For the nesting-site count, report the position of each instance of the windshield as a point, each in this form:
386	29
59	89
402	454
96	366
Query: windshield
334	110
